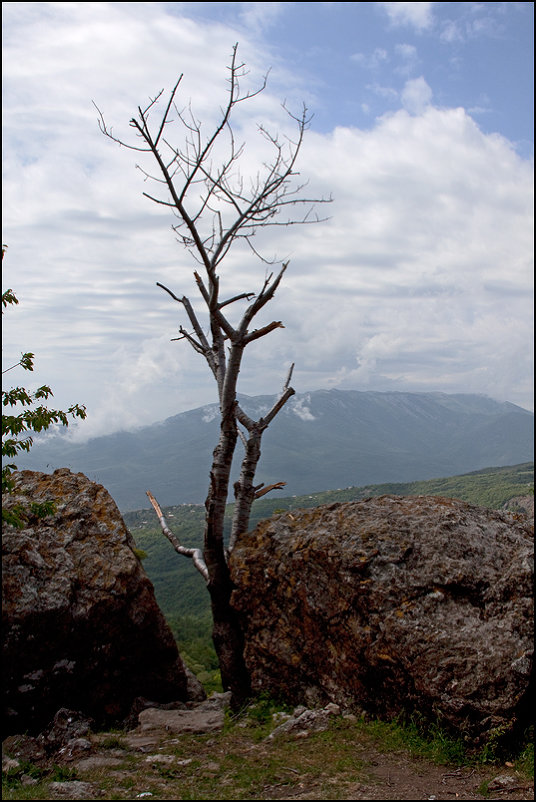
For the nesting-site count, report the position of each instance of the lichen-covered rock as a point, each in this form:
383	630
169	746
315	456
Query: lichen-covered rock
392	604
81	627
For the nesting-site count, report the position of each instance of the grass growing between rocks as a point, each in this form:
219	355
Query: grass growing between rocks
240	763
427	740
421	739
29	781
525	761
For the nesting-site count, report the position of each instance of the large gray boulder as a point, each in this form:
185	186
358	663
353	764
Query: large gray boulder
81	627
393	604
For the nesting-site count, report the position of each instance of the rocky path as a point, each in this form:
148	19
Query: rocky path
193	754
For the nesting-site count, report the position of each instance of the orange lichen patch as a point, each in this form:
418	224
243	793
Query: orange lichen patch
385	656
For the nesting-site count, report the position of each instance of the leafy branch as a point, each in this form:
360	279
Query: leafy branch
32	418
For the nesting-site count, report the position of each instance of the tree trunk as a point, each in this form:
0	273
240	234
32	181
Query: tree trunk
229	640
227	632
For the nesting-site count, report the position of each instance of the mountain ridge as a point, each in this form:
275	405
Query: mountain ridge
322	439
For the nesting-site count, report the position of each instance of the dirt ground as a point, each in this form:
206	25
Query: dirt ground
398	776
395	775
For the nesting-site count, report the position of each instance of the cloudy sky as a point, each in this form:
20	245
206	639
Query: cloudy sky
421	279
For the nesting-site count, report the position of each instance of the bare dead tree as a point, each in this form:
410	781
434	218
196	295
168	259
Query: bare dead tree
216	208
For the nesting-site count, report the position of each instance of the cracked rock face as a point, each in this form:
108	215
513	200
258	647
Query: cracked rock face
393	604
81	627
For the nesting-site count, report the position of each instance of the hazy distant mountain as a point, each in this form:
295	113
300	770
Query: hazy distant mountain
321	440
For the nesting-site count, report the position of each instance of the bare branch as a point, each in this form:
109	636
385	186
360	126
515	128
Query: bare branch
193	342
257	333
201	345
244	419
280	403
195	554
109	132
170	292
289	377
165	117
262	492
243	295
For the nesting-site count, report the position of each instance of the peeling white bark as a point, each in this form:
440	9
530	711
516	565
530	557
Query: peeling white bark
195	554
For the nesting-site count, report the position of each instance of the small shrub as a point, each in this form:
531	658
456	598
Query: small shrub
493	750
525	761
262	709
62	774
111	742
12	777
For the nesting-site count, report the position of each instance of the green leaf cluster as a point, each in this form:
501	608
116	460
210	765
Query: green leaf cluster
27	415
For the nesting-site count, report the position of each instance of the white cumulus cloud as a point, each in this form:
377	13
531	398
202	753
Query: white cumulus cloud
420	280
416	95
416	15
